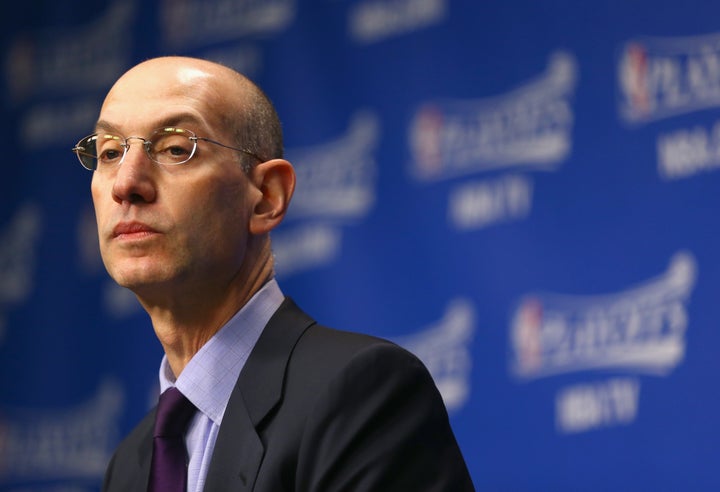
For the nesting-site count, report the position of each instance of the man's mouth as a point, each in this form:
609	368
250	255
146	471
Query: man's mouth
132	230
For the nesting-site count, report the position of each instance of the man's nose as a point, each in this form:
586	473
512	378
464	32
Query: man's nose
135	177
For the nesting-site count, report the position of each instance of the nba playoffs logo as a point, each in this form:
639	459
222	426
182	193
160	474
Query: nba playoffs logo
18	256
641	329
338	177
337	185
198	22
663	77
375	20
444	347
60	449
529	126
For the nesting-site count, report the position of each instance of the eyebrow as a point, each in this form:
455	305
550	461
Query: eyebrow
174	120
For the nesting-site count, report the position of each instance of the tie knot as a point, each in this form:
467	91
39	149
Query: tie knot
174	412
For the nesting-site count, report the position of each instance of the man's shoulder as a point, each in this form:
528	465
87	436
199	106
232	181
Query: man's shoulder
322	353
339	343
312	337
321	336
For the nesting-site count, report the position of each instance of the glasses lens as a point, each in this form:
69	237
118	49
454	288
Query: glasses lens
171	146
86	152
109	149
100	149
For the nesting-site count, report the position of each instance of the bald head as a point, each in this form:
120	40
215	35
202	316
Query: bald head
235	105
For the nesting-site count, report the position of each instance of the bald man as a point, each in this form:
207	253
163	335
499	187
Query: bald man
189	179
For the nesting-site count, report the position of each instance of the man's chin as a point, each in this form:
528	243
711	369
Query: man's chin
138	281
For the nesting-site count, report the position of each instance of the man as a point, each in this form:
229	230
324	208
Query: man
188	182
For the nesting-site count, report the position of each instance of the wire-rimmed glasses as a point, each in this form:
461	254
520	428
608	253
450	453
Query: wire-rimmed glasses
168	146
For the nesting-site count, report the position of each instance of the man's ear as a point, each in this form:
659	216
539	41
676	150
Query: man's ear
275	180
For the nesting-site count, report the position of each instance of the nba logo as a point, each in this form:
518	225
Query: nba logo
426	141
634	81
527	336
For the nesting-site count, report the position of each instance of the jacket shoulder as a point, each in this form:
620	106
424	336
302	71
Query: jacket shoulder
328	348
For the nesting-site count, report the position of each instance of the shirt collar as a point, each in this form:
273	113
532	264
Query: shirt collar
210	376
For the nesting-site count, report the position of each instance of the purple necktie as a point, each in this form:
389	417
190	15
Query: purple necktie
168	469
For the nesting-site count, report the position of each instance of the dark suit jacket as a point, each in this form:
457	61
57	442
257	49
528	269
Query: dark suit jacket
316	409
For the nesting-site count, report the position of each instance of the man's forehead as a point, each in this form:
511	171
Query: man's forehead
156	80
131	110
172	92
186	120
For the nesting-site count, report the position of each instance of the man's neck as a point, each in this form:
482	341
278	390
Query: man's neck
183	324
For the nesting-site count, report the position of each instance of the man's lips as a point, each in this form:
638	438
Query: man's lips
132	229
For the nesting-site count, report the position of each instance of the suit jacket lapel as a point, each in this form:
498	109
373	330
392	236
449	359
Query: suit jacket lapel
145	452
238	450
129	468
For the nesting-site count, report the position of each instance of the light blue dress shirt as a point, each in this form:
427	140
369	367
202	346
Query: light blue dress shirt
210	376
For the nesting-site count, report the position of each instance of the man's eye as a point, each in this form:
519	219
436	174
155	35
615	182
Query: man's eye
109	155
171	152
178	151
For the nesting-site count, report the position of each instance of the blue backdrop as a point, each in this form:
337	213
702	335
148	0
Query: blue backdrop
523	193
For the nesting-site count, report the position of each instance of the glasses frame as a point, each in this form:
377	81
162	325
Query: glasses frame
147	142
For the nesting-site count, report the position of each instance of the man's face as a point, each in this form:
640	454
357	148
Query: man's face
171	229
